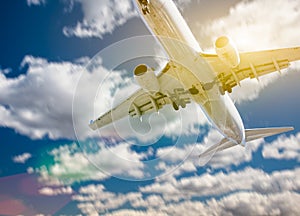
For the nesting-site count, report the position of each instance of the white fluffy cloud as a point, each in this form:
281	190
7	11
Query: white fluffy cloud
235	155
258	192
243	203
189	155
48	191
219	184
101	17
95	199
287	148
36	2
22	158
72	165
258	204
39	103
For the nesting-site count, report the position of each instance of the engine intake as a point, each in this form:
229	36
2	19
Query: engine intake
227	51
146	78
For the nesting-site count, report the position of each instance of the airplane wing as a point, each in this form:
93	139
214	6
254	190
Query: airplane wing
138	104
142	102
252	65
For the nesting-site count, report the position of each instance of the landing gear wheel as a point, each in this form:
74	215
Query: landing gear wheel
175	106
146	10
222	90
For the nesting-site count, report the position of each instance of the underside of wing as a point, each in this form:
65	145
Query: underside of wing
156	92
251	65
138	104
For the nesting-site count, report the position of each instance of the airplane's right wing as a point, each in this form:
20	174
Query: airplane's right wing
252	65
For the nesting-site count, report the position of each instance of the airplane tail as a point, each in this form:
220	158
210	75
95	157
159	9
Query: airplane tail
251	134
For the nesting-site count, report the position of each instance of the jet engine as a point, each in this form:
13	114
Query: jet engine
146	78
227	51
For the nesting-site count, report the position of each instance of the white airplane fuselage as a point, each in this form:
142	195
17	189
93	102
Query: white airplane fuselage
166	23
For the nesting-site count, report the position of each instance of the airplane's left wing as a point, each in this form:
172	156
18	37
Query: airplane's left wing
138	104
142	101
252	65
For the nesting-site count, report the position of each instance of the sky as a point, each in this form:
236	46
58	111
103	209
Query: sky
65	62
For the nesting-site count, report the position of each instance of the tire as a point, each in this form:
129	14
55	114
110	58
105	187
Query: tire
175	106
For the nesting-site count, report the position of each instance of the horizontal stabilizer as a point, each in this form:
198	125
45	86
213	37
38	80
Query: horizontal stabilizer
251	134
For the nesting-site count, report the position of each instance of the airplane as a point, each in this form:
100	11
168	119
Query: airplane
191	74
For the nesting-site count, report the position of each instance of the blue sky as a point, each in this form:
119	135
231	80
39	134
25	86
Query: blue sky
61	65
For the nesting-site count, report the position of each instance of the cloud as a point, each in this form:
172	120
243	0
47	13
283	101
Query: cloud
48	191
284	148
245	203
22	158
234	156
257	204
258	192
125	212
95	198
208	185
189	155
36	2
39	103
5	70
101	17
250	28
72	165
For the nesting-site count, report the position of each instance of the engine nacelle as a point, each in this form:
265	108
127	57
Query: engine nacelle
146	78
227	51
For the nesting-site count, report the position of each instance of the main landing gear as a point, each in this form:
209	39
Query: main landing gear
180	97
145	6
